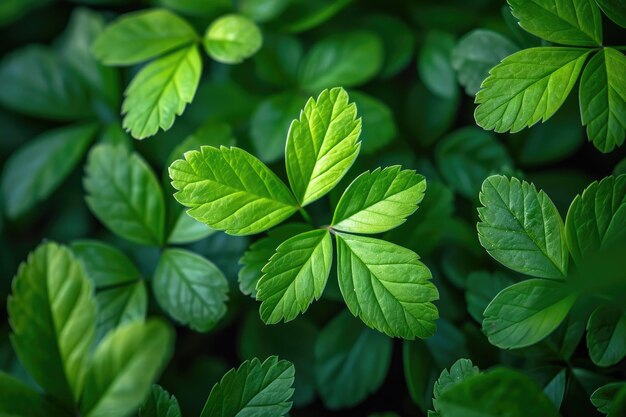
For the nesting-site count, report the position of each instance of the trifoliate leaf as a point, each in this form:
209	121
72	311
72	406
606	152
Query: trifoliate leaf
571	22
232	38
322	145
104	264
254	388
386	286
231	190
525	313
124	194
378	201
137	37
160	403
606	335
191	289
480	288
52	313
294	276
521	228
597	218
351	361
160	92
35	170
603	99
615	10
603	397
459	371
124	367
527	87
19	400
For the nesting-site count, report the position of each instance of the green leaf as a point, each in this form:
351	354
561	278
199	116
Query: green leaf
615	10
19	400
386	286
521	228
36	81
262	10
303	15
161	91
104	264
124	194
603	99
232	38
398	42
35	170
467	156
618	408
419	372
52	313
527	87
277	62
501	392
295	275
606	335
379	127
190	289
597	218
124	367
351	362
476	53
569	22
527	312
361	55
603	397
137	37
480	288
378	201
459	372
120	305
254	388
322	145
434	64
160	403
229	189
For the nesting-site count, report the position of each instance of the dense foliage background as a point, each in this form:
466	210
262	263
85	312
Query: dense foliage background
412	68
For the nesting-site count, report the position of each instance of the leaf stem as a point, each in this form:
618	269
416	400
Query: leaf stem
305	215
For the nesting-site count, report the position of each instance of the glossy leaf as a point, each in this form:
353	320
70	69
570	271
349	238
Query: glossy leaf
232	38
615	10
606	335
603	397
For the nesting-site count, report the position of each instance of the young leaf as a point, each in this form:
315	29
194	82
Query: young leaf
190	289
160	403
52	313
104	264
19	400
603	99
232	38
386	286
521	228
597	218
254	388
322	145
615	10
120	305
603	397
525	313
378	201
229	189
137	37
527	87
160	92
570	22
34	171
606	335
351	361
123	193
295	275
459	371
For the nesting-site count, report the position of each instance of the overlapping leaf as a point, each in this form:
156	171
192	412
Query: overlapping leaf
606	335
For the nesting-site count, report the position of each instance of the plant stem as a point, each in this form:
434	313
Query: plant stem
305	216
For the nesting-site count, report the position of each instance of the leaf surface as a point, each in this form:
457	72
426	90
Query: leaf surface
232	38
606	335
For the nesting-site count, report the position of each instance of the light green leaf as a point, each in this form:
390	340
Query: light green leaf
19	400
480	288
187	230
361	57
435	66
501	392
52	313
255	388
527	312
603	397
476	53
527	87
124	367
322	145
615	10
603	99
568	22
232	38
295	275
137	37
190	289
597	218
35	170
379	127
229	189
120	305
351	362
606	335
160	92
378	201
123	193
104	264
459	371
386	286
160	403
521	228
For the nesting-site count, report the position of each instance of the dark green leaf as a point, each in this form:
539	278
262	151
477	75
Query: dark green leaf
606	335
